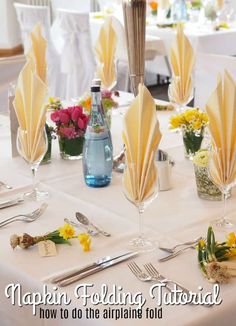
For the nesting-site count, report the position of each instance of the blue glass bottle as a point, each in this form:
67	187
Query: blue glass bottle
97	149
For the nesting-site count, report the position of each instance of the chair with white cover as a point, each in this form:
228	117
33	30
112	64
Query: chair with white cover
28	16
71	36
207	68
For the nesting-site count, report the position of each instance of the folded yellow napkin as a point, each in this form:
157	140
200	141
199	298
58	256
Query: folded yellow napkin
182	60
141	136
37	52
219	4
105	51
221	109
31	112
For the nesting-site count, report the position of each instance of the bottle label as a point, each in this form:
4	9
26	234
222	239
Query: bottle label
97	129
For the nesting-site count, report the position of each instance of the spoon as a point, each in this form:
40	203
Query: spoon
84	220
79	225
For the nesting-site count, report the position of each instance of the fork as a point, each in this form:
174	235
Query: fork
153	272
28	218
144	277
2	184
172	250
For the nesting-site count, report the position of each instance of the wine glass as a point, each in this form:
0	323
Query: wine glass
176	97
33	154
224	180
148	193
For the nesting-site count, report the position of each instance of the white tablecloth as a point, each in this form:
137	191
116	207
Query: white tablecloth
174	216
202	39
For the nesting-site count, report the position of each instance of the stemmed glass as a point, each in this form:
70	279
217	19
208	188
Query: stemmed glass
224	181
33	155
180	101
141	243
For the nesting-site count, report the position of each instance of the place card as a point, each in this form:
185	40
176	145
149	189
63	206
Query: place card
47	248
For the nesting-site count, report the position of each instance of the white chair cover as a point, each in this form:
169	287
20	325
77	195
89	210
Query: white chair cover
207	68
71	35
28	16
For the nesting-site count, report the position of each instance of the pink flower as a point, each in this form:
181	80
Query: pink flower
64	116
106	93
81	123
77	111
55	116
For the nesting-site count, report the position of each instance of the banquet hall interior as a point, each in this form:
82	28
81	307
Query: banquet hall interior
118	137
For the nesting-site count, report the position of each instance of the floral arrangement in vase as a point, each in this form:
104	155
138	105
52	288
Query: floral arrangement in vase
108	103
192	124
71	124
205	187
153	6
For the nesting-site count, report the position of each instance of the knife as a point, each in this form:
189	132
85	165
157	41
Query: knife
97	269
88	267
11	202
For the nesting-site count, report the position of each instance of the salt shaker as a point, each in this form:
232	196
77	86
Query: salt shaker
164	165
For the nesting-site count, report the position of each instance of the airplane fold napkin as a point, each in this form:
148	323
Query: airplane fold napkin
182	60
105	51
30	95
141	136
221	109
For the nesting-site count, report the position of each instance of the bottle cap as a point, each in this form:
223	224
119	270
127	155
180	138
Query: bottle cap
96	82
95	89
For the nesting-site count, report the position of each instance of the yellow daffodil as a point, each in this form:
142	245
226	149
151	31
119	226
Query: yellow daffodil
231	240
201	243
85	241
190	120
67	231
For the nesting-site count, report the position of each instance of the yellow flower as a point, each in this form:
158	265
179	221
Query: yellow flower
231	240
175	121
190	115
67	231
201	244
85	241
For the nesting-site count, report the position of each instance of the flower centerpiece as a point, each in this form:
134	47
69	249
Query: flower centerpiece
213	257
108	103
205	187
71	124
153	6
192	124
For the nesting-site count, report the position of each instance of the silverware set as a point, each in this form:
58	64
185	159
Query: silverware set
84	223
28	218
151	274
67	278
175	251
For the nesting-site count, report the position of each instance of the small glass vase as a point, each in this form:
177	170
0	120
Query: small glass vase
71	149
206	189
192	142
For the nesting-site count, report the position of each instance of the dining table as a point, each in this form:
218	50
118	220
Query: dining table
176	215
